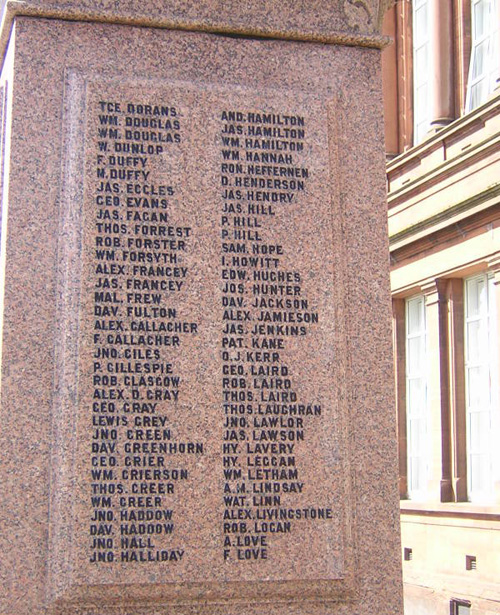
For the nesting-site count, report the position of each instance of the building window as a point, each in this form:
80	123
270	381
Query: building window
459	607
484	62
421	69
416	396
481	384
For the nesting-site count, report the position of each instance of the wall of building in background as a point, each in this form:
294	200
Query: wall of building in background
443	173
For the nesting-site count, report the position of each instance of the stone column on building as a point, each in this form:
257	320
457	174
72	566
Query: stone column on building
404	70
439	483
455	298
461	52
398	319
441	68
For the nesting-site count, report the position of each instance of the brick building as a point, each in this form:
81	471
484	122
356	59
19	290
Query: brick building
442	106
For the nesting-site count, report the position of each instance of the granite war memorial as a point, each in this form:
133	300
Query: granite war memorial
196	402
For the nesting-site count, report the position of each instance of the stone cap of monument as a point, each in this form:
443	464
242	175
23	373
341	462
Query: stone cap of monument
346	22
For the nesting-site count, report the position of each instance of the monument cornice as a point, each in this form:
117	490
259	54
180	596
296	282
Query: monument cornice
342	22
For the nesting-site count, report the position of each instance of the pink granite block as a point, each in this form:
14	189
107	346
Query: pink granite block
196	376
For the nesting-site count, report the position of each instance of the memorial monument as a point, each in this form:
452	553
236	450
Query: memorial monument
196	402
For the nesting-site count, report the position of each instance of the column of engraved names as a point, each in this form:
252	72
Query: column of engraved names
139	274
263	306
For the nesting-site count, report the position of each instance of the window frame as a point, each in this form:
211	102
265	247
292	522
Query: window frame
490	38
417	491
421	42
481	490
456	603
